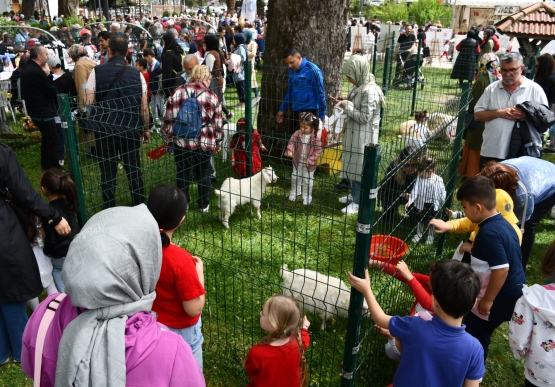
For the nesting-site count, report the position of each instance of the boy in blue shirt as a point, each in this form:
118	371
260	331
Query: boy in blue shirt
496	257
436	353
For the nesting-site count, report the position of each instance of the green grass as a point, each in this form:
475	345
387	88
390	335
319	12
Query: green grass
242	263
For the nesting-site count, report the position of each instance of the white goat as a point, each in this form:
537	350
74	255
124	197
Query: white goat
318	293
234	192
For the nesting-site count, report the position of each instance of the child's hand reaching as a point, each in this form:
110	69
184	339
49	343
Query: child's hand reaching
466	247
305	323
449	212
288	153
404	270
360	284
262	148
440	226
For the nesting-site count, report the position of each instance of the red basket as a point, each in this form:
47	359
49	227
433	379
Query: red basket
387	248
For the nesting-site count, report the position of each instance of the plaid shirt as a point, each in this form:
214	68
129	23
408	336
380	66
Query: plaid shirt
212	132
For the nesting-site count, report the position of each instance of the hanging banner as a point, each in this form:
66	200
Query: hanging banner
248	10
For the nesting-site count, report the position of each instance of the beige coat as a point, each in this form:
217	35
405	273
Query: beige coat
83	69
252	47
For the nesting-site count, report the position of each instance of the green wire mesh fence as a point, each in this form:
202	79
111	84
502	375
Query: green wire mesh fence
244	264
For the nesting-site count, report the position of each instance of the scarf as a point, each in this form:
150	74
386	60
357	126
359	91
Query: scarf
489	67
111	270
358	69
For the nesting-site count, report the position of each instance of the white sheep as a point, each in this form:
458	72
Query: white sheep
443	126
234	192
318	293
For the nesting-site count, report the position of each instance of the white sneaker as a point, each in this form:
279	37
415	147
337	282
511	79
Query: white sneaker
346	199
206	209
307	201
350	209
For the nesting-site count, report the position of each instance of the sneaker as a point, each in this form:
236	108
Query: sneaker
350	209
307	201
205	209
346	199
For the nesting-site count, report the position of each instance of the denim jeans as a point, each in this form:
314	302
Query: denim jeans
13	318
193	336
57	264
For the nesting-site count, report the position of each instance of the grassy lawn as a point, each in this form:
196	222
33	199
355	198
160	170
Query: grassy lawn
242	263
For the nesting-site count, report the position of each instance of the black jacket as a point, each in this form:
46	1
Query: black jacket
526	137
56	246
41	97
171	63
19	276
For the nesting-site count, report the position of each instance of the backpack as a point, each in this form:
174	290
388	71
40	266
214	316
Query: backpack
188	123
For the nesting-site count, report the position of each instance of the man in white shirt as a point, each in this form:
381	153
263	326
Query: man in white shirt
497	107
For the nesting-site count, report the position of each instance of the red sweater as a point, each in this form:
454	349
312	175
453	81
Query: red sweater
271	366
418	286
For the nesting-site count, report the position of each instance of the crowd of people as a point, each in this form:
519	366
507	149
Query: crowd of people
104	280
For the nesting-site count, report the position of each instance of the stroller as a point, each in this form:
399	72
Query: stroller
408	70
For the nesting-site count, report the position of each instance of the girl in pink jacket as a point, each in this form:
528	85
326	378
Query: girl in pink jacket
305	148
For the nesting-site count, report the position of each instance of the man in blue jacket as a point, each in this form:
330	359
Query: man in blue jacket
305	89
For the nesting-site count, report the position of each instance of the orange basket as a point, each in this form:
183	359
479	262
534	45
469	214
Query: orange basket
387	248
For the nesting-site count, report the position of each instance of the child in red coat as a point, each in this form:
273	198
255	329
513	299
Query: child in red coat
238	148
279	358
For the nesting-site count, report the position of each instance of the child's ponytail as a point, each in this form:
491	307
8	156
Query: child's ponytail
57	182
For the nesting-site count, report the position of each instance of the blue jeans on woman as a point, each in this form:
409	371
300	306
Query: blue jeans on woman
57	264
193	336
13	318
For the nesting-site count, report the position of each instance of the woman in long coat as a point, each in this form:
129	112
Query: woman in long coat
465	65
363	104
19	276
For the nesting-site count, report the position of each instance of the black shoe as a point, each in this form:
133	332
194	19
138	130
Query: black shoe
344	185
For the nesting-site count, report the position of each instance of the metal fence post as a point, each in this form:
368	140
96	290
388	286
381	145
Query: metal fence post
454	162
368	198
375	53
73	149
248	114
386	68
393	59
415	84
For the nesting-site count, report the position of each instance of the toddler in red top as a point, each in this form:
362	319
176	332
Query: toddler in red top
239	147
180	290
279	358
142	65
305	148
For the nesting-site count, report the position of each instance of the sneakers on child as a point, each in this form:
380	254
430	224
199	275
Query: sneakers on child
307	201
350	209
346	199
205	209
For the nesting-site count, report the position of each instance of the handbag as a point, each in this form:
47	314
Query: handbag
22	219
469	122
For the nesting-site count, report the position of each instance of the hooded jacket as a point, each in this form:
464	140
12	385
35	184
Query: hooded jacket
532	333
526	138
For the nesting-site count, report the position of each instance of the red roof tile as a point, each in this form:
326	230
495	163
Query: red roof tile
536	20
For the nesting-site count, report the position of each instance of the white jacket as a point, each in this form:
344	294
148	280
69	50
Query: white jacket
532	333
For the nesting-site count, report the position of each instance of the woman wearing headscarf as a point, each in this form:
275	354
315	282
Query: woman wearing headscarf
239	72
171	63
465	65
487	44
488	73
252	47
362	106
103	333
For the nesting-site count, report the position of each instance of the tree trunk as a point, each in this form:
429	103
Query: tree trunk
230	6
63	8
27	8
320	34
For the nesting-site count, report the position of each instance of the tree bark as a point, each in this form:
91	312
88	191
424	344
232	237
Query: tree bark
230	6
27	8
317	28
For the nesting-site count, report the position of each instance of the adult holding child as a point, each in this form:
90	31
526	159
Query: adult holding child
362	107
531	184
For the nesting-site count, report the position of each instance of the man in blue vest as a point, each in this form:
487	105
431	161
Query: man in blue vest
119	116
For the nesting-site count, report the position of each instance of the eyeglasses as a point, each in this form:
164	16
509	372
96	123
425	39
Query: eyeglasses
507	71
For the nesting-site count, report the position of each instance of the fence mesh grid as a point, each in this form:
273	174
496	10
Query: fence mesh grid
243	262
